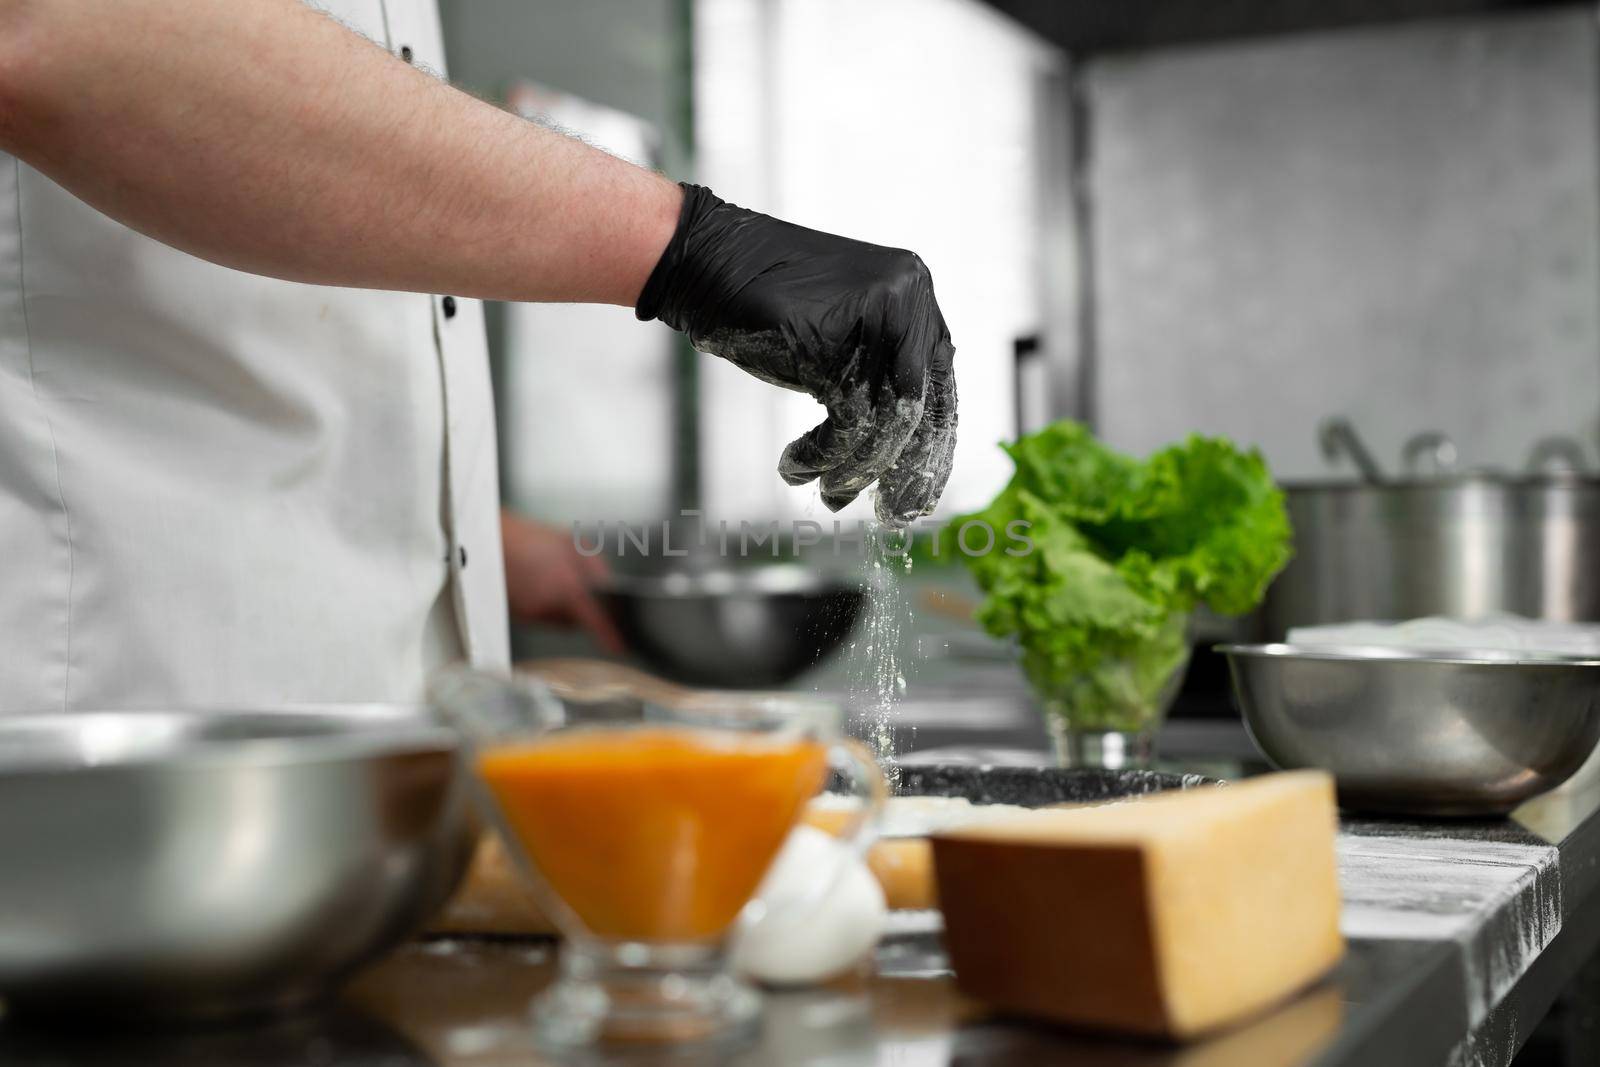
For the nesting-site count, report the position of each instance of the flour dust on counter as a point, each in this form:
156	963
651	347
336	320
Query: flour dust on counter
1492	1043
876	678
1439	887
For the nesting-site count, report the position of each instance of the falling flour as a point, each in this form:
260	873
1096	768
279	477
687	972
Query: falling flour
876	678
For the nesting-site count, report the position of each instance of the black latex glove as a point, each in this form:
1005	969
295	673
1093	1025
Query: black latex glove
853	324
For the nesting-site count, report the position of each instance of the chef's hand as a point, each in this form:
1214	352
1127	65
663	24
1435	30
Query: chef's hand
548	581
853	324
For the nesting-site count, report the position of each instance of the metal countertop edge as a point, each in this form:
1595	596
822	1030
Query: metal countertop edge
1425	1019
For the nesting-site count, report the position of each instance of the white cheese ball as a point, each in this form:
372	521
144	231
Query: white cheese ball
817	913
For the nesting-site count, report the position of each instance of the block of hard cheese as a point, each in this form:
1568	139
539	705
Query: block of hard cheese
1168	915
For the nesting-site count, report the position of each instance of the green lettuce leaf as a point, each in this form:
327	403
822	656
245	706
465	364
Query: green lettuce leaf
1122	552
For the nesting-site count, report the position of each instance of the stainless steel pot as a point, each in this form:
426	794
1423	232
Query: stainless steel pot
1463	546
180	864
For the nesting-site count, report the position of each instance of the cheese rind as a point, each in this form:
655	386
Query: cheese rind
1168	915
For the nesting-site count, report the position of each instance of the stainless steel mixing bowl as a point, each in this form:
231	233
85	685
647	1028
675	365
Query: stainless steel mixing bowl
1418	732
210	864
733	629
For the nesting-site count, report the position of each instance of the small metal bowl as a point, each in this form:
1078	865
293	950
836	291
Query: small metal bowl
1417	732
733	629
183	865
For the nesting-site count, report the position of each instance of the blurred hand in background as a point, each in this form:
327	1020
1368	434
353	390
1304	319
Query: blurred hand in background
548	581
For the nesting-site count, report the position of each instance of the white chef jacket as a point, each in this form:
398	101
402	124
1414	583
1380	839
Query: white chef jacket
219	489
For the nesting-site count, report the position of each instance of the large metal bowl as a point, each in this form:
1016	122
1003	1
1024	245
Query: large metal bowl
203	865
1419	732
733	629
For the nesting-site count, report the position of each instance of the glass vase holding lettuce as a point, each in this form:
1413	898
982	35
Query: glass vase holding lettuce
1122	552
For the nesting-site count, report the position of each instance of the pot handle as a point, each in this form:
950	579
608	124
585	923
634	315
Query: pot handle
1436	449
1338	438
1552	454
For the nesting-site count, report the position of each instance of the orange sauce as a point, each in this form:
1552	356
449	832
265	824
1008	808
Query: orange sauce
654	833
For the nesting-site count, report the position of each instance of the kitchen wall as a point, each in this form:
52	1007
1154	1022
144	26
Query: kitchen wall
588	396
1398	224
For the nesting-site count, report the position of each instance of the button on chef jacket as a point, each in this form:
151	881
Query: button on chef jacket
218	489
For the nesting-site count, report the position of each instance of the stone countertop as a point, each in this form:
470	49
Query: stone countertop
1460	936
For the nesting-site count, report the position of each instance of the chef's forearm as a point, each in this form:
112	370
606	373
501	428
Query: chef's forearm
267	137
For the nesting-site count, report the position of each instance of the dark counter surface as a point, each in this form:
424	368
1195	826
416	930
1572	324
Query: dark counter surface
1461	934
